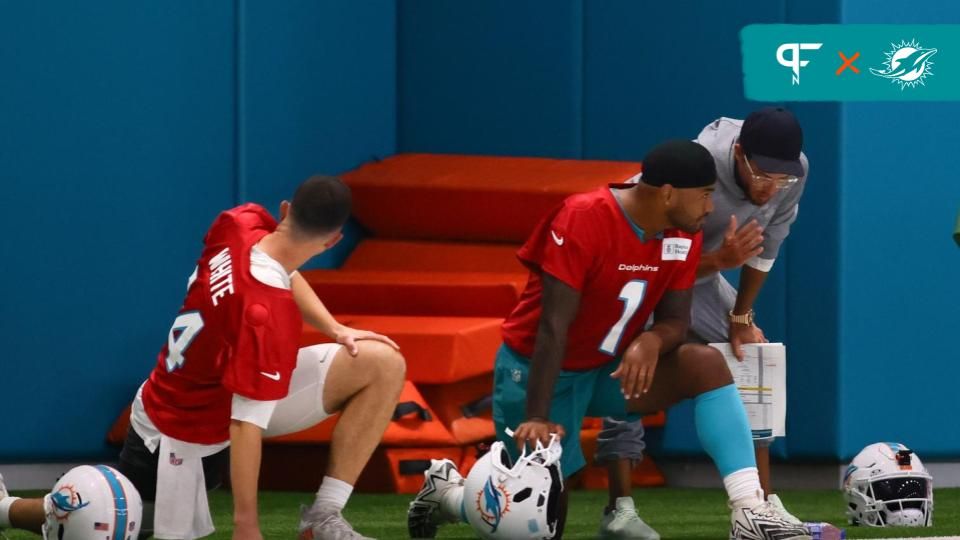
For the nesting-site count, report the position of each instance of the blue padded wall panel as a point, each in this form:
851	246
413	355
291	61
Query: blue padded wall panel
654	71
117	153
496	77
317	89
812	273
899	283
318	93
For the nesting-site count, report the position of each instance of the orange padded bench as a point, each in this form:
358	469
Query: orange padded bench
437	349
414	424
478	198
402	255
404	292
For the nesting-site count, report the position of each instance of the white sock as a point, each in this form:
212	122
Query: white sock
743	487
333	493
451	502
5	504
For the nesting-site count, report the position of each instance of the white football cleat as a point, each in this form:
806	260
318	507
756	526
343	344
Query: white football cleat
323	524
425	513
774	500
765	521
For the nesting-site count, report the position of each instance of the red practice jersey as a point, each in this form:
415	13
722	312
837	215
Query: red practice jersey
589	243
233	335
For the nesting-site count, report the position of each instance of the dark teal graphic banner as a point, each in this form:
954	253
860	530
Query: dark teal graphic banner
855	62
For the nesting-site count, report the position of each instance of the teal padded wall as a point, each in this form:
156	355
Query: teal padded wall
126	127
899	289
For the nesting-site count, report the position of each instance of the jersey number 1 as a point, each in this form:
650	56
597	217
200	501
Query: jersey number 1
632	296
185	328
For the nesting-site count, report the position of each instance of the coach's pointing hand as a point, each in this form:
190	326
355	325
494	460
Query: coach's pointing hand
739	246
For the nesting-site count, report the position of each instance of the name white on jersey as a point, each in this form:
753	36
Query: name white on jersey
221	276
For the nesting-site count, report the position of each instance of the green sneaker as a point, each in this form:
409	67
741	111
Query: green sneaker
623	523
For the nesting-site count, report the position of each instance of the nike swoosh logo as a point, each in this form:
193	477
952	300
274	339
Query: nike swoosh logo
275	375
557	239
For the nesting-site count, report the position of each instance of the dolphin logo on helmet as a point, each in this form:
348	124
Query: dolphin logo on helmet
109	507
515	500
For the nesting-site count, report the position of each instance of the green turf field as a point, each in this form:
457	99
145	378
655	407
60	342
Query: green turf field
689	514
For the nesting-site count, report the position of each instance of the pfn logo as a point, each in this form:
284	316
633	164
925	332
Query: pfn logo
794	62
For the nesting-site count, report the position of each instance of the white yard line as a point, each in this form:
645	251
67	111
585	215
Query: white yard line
924	538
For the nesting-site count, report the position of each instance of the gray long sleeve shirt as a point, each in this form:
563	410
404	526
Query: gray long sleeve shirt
775	216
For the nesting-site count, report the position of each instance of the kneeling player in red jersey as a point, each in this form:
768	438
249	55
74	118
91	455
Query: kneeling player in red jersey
232	372
576	344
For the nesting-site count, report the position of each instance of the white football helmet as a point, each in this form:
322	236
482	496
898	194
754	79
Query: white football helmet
92	503
515	501
887	484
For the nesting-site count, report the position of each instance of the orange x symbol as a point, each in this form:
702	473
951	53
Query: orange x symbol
848	62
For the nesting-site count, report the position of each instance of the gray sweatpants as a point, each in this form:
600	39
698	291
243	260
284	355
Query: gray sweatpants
712	301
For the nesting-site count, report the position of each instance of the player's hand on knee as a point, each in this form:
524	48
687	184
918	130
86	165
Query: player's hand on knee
638	365
348	337
537	429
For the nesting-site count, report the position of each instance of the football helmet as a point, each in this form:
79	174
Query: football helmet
515	501
887	484
91	503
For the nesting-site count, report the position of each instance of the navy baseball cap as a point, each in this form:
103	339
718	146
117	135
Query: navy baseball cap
772	138
680	163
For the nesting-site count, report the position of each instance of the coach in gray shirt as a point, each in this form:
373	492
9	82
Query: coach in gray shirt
761	176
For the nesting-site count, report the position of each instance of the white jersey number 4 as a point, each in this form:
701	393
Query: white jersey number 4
632	296
185	328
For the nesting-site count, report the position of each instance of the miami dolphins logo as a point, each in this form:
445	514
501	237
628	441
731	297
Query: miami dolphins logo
66	499
493	502
907	64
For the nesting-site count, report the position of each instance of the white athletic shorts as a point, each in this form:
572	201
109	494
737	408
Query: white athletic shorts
181	510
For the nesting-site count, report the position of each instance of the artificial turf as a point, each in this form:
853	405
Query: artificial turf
689	514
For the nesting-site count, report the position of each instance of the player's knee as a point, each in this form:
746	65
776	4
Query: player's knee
393	367
706	366
388	364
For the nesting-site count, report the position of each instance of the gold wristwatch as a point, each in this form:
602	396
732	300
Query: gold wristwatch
746	318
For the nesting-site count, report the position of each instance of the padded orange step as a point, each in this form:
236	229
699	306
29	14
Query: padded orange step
434	196
400	470
118	431
437	349
404	292
465	407
414	424
402	255
472	454
300	467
